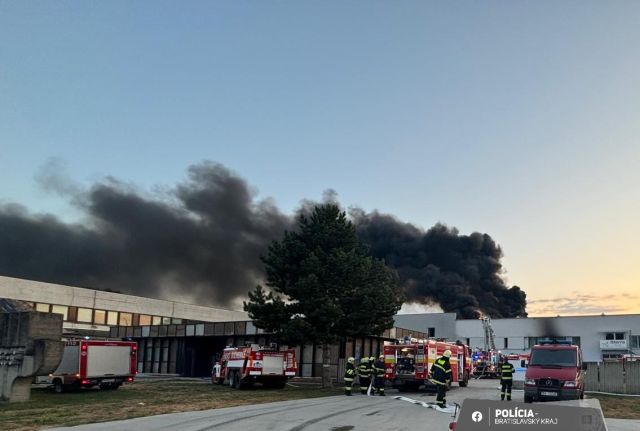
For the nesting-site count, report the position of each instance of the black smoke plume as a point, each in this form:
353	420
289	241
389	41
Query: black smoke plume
461	273
202	241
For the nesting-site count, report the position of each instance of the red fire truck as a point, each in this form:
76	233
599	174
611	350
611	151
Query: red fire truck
87	363
240	367
407	366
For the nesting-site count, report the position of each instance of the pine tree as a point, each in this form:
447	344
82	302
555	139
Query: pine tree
323	285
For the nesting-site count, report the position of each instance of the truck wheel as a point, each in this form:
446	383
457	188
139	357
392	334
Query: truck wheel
237	384
58	387
465	380
528	399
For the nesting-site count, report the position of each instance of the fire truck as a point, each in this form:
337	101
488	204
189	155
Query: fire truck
88	363
485	364
407	366
241	367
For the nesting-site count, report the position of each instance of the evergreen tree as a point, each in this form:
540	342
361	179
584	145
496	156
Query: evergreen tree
324	286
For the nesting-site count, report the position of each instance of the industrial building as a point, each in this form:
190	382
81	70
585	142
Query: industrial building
601	337
180	338
93	312
173	337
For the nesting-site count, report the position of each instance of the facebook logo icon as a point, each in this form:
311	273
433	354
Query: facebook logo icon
476	416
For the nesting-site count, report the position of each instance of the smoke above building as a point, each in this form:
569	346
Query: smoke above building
460	273
201	241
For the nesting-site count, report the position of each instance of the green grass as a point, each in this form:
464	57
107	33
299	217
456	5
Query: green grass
47	409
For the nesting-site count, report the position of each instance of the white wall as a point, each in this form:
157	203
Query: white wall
590	329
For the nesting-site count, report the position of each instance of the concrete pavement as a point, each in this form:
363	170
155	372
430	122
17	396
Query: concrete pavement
337	413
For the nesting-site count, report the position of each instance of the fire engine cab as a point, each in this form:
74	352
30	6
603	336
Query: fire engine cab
240	367
407	366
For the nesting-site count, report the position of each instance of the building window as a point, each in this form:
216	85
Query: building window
125	319
432	332
166	320
157	320
635	341
112	318
506	343
99	317
60	309
145	320
176	321
615	336
85	315
44	308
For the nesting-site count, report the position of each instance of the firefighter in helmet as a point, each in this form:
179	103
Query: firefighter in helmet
441	376
364	375
349	375
378	373
506	379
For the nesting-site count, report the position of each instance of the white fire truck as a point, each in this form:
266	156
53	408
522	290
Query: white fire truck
240	367
88	363
407	366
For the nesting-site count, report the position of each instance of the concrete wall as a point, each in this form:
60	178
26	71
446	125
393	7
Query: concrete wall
444	323
35	291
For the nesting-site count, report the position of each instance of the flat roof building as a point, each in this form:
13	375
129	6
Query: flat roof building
601	337
93	312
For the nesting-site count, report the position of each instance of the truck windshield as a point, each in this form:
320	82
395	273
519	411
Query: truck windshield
553	358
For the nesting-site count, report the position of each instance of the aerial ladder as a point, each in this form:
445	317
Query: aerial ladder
489	349
489	335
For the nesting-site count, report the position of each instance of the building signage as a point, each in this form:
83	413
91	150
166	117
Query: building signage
614	344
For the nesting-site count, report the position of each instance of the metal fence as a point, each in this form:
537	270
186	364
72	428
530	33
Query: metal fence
614	377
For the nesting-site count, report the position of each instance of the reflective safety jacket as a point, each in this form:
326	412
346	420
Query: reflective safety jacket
349	372
441	371
364	369
506	371
378	368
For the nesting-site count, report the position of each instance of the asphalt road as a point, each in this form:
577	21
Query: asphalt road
337	413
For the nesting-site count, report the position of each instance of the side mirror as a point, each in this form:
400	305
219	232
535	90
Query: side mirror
584	366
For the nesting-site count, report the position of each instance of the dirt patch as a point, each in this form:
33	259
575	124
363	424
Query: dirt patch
47	409
619	407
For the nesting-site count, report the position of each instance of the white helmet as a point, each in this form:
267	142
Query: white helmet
447	353
351	360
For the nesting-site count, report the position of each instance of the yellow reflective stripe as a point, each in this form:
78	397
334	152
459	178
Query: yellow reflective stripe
439	366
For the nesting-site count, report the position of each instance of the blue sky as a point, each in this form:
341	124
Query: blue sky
519	119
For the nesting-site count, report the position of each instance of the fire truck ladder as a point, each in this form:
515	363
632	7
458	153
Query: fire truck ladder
489	335
489	341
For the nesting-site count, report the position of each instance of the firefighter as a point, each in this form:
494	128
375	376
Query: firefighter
364	375
349	375
378	375
506	379
441	376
